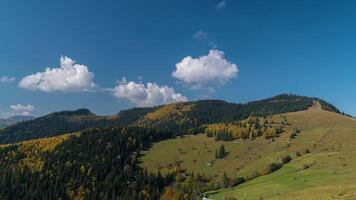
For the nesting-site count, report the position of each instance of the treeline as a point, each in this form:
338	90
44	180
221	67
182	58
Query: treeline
58	123
250	128
203	112
182	118
96	164
193	186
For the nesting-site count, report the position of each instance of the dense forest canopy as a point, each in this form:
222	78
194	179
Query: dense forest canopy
96	164
180	118
101	160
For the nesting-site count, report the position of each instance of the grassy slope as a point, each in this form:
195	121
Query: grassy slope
329	136
195	152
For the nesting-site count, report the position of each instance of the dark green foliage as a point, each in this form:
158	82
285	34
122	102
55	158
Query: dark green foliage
192	186
236	181
66	122
327	106
190	122
298	154
273	167
51	125
286	159
225	180
293	135
221	153
98	164
127	117
216	111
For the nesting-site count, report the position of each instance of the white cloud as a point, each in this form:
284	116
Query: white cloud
69	77
221	5
20	110
200	35
206	72
203	37
146	95
6	79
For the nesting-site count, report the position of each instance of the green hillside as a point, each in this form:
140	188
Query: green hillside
331	139
285	147
183	118
179	118
93	164
321	167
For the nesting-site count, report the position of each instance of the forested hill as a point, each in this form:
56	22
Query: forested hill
179	118
13	120
52	125
189	117
95	164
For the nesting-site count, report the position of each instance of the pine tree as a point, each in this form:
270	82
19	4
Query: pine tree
225	181
222	151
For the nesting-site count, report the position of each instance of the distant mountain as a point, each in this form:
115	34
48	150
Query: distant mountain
50	125
177	118
13	120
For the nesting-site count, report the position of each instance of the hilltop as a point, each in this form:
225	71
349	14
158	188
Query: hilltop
187	148
179	118
321	165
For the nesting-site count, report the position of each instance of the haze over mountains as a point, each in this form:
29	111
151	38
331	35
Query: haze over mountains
13	120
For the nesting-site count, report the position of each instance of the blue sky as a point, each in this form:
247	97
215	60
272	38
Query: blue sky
255	49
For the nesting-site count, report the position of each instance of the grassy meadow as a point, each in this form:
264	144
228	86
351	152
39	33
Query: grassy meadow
327	172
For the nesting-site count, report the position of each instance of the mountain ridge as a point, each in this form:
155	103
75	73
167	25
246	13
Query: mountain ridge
147	160
180	118
14	119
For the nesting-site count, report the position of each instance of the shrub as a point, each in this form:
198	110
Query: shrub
252	176
273	167
225	180
292	135
306	166
236	181
298	154
286	159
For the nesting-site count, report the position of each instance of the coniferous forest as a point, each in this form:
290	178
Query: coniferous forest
97	164
101	160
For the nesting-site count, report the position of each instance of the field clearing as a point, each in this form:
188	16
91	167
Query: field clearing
331	176
331	139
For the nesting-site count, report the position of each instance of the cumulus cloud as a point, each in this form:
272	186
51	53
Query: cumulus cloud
206	72
6	79
146	95
69	77
20	110
221	5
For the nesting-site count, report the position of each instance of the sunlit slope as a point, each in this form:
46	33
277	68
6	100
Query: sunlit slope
329	174
27	154
197	154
